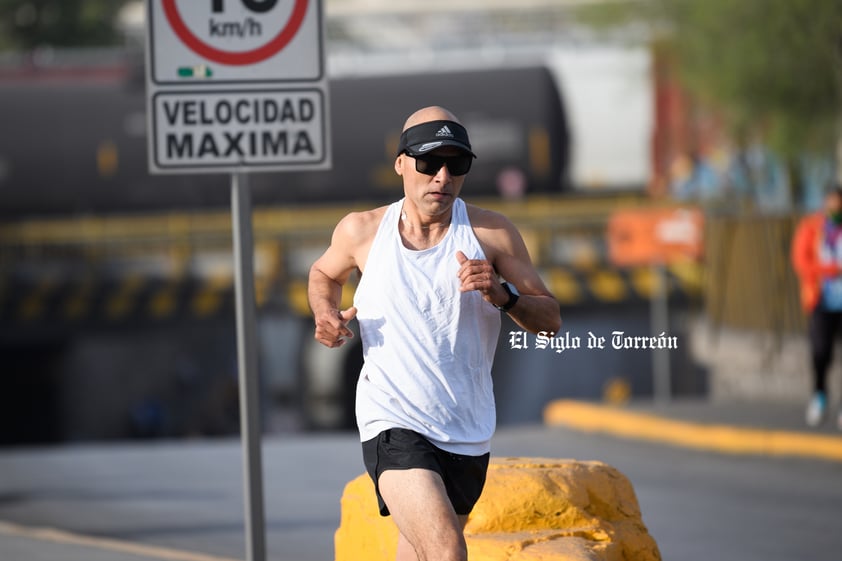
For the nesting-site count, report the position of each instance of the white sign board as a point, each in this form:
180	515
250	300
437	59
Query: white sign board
236	85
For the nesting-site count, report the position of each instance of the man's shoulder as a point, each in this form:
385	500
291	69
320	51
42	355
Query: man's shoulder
360	225
493	230
366	217
487	219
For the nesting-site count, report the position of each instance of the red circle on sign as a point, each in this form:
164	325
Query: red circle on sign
236	58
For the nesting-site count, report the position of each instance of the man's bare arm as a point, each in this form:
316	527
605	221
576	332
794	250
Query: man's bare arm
536	309
328	275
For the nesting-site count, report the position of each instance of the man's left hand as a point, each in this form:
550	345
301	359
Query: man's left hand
479	274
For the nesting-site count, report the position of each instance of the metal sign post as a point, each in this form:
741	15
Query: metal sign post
659	321
250	419
658	238
235	86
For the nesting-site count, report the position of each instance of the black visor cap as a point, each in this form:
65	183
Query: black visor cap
426	137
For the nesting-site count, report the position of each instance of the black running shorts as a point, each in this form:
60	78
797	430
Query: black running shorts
463	476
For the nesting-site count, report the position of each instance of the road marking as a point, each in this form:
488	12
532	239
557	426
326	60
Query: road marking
719	438
69	538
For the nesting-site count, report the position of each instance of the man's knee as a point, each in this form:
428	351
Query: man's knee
449	546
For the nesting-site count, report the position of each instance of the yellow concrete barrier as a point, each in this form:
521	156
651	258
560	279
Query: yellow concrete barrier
531	509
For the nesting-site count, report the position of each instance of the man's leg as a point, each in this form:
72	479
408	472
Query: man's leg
822	328
430	529
405	550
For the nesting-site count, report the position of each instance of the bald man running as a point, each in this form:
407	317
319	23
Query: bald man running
428	305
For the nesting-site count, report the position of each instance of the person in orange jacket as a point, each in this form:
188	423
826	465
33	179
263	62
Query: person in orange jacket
817	260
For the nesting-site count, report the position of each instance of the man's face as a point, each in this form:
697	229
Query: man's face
432	194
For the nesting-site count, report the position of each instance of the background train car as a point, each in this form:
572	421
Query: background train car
75	142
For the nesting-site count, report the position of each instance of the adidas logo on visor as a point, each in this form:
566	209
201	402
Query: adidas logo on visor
444	131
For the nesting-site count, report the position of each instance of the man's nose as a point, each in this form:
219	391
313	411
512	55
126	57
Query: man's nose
443	175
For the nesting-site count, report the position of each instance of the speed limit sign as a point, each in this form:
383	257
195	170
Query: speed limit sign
219	41
236	85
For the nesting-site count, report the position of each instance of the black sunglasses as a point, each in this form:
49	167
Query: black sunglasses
456	165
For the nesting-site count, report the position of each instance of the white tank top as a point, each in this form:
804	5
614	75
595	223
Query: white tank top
428	347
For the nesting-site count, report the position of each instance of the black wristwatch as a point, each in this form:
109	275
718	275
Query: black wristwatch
511	290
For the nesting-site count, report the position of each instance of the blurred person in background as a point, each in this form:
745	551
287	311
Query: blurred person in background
817	259
429	303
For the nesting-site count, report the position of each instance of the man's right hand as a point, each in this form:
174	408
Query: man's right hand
332	327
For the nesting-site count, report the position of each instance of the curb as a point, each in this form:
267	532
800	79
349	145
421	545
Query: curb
133	549
728	439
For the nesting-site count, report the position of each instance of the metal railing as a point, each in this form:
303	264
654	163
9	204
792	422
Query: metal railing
181	262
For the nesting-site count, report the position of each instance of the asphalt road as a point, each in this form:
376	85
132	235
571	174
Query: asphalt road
187	495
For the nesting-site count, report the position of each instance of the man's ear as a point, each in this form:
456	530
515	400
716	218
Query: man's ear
399	164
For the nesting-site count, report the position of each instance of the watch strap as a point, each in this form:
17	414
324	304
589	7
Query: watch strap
513	297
